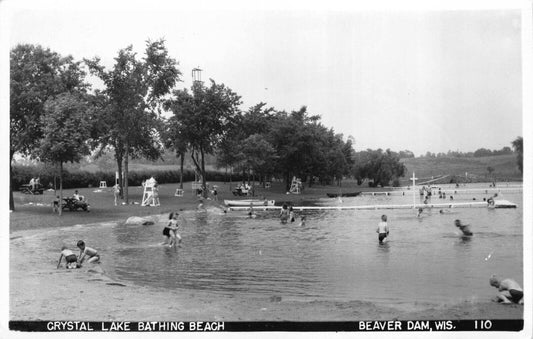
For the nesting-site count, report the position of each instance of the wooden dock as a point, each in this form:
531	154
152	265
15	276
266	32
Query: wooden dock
497	204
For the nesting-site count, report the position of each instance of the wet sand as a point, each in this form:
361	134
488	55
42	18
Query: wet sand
39	291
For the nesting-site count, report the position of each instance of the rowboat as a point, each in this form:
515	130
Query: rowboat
247	202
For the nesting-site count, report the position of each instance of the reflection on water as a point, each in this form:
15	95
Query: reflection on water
335	256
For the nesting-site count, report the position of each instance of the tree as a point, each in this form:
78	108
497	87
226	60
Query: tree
175	140
66	130
36	75
518	145
205	116
378	166
135	90
258	154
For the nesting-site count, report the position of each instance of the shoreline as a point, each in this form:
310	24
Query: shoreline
88	294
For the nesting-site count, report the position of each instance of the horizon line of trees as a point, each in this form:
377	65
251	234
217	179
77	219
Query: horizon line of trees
56	118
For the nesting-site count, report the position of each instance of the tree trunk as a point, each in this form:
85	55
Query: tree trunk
204	186
182	161
11	201
126	159
120	178
60	188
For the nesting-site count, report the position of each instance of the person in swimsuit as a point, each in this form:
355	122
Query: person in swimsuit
464	228
171	230
511	290
91	253
383	229
291	214
70	258
284	214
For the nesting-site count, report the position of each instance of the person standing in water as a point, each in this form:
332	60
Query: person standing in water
284	214
383	229
251	213
464	228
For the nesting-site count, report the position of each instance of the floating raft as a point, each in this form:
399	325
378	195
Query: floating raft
497	204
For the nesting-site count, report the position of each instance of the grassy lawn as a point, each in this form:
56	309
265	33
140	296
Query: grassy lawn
35	211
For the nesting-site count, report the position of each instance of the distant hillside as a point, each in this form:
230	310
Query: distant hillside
505	167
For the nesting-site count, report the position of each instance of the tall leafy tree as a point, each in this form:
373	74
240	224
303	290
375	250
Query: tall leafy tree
205	116
135	91
518	145
66	130
36	75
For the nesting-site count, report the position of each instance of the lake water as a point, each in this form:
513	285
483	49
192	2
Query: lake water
335	256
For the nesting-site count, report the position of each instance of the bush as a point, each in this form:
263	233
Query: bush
78	179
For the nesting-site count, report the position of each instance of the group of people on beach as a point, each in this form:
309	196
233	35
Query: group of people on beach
73	261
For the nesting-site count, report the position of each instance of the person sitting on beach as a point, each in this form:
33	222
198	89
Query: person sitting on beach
383	229
77	196
511	290
284	214
70	258
464	228
91	253
201	206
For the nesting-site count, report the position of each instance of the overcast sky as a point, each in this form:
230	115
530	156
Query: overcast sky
419	80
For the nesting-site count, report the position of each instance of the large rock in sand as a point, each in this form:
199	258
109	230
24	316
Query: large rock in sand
140	221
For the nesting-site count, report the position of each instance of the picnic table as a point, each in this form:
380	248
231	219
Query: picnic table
29	189
73	204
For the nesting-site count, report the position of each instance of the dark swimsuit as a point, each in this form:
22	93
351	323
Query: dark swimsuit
516	295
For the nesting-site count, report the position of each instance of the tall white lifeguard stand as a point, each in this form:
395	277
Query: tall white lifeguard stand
150	195
296	186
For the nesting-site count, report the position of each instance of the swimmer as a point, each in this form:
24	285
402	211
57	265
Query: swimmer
302	222
383	229
291	214
87	251
511	290
70	258
251	213
420	210
464	228
284	214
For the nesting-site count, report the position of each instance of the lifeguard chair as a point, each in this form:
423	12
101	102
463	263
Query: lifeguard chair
103	184
150	194
296	186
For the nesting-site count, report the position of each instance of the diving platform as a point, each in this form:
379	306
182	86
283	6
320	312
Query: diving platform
497	204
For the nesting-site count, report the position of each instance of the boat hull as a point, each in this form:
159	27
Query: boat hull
248	202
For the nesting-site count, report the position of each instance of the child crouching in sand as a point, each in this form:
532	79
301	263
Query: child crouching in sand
70	258
87	251
511	292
